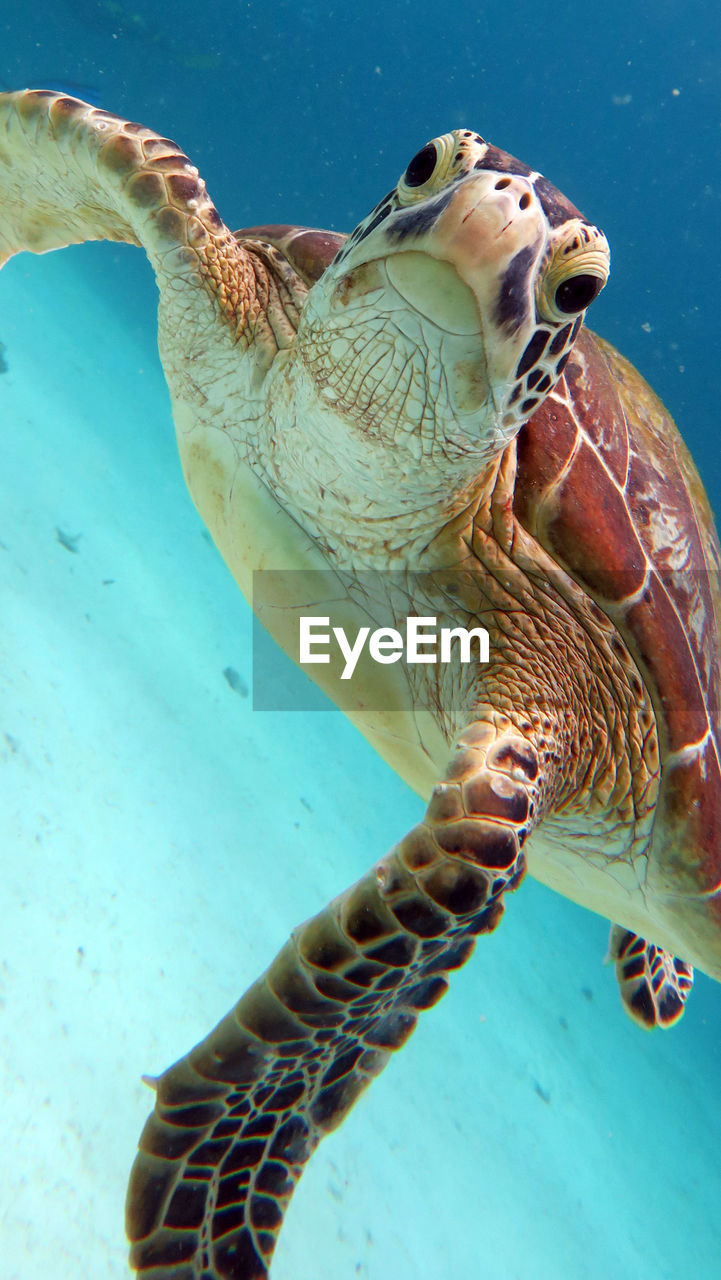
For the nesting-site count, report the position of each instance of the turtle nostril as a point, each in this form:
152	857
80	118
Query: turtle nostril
524	201
502	184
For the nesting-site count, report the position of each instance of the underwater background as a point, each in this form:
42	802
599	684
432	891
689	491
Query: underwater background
160	839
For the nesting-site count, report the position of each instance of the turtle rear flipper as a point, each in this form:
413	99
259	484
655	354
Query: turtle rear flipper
654	984
236	1120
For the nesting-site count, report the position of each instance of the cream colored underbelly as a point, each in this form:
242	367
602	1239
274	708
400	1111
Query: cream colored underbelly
605	881
252	533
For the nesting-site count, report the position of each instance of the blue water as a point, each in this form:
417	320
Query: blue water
159	839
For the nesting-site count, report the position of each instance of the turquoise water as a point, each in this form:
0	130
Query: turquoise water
159	839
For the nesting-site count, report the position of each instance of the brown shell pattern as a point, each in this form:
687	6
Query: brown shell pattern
607	486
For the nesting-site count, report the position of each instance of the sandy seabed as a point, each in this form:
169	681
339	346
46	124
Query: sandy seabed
160	840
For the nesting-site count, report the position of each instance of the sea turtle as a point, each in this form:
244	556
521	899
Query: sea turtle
416	413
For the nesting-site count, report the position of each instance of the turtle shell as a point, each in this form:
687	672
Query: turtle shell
606	485
308	250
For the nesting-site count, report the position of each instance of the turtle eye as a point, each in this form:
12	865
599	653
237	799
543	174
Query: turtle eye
430	169
421	167
574	271
576	294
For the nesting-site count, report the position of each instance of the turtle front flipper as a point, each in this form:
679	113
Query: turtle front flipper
70	172
236	1120
653	983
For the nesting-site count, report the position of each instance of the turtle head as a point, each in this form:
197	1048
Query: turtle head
449	313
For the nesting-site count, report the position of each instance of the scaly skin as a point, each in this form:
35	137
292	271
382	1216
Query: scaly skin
236	1120
94	176
129	185
284	413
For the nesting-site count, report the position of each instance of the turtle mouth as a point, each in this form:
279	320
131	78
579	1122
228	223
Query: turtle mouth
434	289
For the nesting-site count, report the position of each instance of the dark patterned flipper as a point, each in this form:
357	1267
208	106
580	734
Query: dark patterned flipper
653	983
70	172
236	1120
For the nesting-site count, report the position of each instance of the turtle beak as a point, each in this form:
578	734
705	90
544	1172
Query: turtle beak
494	233
491	217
